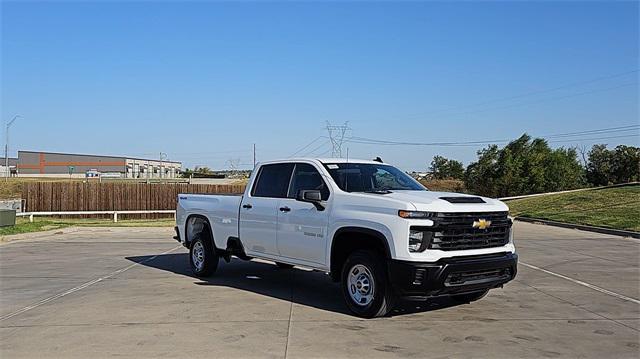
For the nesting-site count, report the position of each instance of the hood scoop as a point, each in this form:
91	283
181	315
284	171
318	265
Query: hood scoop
465	199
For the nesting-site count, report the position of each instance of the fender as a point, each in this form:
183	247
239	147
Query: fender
337	257
207	223
363	230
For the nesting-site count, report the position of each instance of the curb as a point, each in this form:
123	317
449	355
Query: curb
582	227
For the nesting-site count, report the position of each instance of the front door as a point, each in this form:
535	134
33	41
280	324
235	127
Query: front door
302	229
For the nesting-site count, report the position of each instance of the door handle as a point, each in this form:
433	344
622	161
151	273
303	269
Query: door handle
247	206
285	209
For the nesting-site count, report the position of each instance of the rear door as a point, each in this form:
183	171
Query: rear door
302	229
259	208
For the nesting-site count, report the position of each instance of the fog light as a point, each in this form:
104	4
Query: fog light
419	276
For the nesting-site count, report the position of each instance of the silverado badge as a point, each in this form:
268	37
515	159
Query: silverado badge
481	224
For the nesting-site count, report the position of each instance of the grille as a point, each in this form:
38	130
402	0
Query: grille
476	277
455	231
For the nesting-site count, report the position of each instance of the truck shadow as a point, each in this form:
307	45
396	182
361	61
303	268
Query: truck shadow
305	287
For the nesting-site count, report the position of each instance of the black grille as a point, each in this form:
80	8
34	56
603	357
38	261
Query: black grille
455	231
477	277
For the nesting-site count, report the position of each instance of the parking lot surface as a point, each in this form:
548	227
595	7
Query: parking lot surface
129	292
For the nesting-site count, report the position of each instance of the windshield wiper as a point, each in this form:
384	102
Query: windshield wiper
380	191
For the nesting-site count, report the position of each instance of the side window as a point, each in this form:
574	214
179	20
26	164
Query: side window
273	181
307	177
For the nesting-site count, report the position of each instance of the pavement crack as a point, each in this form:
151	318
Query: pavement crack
286	346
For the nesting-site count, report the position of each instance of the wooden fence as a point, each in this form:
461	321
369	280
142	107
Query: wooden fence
79	196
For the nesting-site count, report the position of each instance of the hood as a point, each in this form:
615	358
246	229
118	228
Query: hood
431	201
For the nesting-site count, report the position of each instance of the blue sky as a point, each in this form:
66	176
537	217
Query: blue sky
203	81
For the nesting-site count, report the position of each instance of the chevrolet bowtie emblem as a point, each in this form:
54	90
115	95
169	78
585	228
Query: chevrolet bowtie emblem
481	224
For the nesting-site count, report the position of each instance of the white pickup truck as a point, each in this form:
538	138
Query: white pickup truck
369	225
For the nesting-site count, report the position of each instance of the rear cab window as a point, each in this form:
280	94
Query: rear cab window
273	180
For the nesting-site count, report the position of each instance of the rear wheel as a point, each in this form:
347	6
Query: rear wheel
365	287
470	297
284	265
202	255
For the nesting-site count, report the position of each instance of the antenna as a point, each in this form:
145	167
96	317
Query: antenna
336	136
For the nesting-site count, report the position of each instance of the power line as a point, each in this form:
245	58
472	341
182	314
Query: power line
526	94
540	101
478	143
370	141
589	132
325	152
315	149
307	145
594	139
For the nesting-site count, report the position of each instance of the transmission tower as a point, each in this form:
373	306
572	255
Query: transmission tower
336	136
234	163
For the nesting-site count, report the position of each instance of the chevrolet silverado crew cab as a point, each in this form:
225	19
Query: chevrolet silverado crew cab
370	226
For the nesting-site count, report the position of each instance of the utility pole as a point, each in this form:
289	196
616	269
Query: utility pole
254	156
6	147
336	136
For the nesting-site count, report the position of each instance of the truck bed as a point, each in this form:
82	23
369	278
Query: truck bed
221	210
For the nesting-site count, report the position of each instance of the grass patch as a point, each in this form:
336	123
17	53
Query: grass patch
24	226
617	208
445	185
11	188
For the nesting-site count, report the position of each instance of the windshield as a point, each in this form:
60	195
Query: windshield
369	177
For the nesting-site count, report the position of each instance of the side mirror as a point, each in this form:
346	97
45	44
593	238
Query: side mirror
311	196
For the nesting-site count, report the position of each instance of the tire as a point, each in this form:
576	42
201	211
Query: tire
365	287
202	256
284	265
470	297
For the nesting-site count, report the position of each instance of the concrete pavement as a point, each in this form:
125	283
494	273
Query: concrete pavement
128	292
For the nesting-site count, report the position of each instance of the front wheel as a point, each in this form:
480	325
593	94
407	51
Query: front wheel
365	287
203	258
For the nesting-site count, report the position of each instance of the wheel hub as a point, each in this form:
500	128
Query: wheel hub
361	285
197	255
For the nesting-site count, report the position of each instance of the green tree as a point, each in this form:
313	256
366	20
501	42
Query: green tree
626	164
620	165
187	173
204	170
599	165
523	166
443	168
481	176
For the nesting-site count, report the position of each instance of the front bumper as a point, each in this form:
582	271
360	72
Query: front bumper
458	275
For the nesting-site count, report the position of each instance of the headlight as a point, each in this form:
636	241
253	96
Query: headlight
416	214
418	240
511	229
